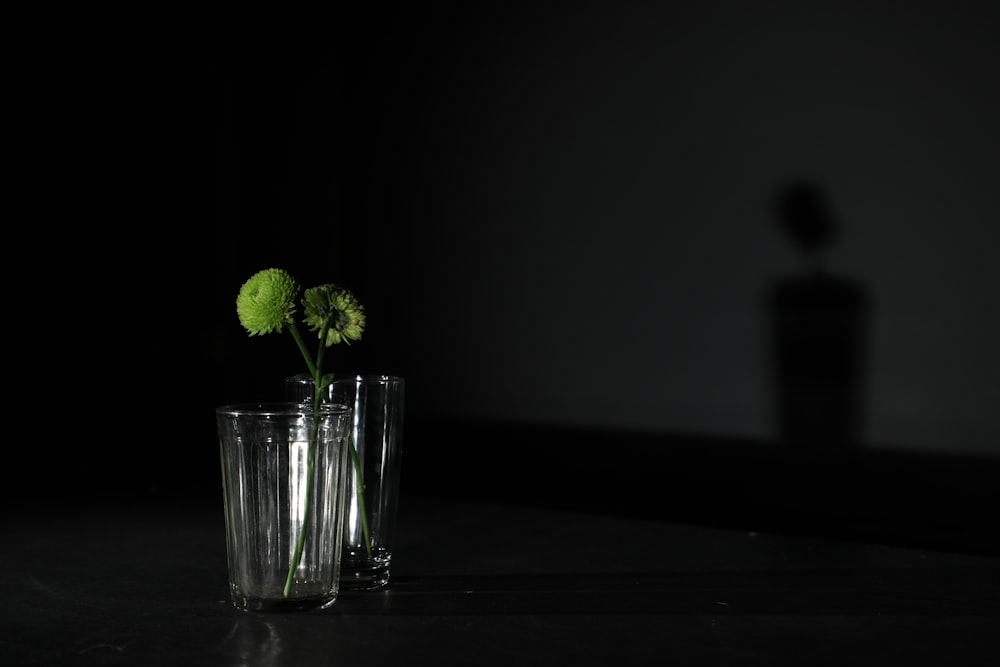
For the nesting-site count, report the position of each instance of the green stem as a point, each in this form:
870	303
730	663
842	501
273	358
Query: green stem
300	543
316	371
360	493
313	370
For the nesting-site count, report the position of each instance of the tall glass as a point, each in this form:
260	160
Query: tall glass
284	480
376	403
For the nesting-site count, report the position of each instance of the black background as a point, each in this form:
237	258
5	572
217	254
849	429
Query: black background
491	180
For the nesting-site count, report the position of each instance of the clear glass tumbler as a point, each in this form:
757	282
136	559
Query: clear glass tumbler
377	406
284	478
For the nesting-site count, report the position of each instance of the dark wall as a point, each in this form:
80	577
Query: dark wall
578	210
574	216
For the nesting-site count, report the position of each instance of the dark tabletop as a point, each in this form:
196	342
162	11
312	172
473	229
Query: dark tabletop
486	584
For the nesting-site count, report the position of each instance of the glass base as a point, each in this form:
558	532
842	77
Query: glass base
364	574
285	604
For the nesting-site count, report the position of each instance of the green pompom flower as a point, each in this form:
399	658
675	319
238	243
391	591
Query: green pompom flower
266	301
338	306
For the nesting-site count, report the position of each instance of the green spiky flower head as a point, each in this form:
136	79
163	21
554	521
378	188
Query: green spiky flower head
266	301
345	314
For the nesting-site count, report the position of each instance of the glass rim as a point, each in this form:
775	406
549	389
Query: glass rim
280	409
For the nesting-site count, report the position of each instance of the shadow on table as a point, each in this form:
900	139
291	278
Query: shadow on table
893	497
950	591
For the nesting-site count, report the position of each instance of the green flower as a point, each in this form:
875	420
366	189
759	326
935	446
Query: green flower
266	302
338	306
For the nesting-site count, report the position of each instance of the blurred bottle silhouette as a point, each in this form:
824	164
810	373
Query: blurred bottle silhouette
819	332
